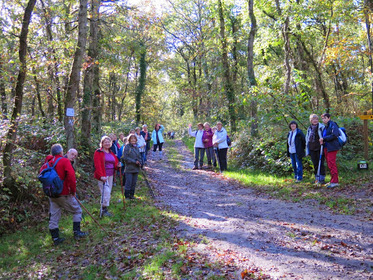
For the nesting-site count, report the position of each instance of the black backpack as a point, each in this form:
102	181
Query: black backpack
51	182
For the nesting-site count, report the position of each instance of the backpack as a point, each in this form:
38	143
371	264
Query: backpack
51	182
229	141
342	138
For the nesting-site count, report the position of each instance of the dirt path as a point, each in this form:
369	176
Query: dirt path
285	240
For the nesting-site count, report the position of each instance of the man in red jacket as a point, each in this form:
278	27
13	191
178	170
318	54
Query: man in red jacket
66	200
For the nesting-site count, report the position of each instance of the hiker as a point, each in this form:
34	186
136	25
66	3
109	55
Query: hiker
220	142
71	155
313	148
331	147
296	143
66	200
121	160
106	162
132	159
209	147
141	145
199	147
121	140
145	133
114	146
157	137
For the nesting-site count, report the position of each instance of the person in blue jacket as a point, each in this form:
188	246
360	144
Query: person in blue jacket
331	147
296	144
157	137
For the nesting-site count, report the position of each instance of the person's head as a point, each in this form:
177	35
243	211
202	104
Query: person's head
125	140
132	132
132	139
72	154
156	126
293	125
144	127
121	136
214	129
219	125
325	118
113	136
206	125
105	142
56	149
137	129
314	119
200	126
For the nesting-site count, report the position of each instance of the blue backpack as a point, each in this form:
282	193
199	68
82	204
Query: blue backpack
51	182
342	138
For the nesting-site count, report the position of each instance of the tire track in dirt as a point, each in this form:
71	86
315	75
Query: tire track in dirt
286	240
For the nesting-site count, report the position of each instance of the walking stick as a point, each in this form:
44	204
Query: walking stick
319	167
102	198
121	184
90	214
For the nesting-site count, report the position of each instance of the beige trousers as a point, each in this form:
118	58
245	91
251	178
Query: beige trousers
107	190
67	202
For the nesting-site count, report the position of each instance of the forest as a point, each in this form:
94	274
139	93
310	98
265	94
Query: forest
72	71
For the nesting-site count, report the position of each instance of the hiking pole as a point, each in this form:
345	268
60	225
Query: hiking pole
90	214
147	183
102	198
121	184
318	169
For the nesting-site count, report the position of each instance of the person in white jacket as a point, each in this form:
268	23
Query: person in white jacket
141	144
199	147
219	141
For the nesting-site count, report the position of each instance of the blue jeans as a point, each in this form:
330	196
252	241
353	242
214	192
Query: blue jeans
199	153
297	164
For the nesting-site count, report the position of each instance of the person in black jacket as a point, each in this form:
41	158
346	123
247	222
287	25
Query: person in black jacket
331	147
296	144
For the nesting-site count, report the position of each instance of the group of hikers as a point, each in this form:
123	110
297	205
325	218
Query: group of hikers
320	143
126	157
213	141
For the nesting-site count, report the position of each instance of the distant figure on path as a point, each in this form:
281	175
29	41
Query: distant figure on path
296	143
157	137
313	147
146	135
66	200
331	147
199	147
220	142
209	147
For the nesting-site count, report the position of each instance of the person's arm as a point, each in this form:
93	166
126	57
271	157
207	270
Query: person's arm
192	133
334	135
223	136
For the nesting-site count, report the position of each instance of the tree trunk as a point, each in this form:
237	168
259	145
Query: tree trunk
90	73
142	80
4	105
12	133
229	91
368	5
250	69
74	79
37	86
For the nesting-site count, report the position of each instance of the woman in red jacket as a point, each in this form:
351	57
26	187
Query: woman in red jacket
105	165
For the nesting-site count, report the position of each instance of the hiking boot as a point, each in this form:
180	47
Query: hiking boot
132	194
332	185
195	168
127	194
106	213
77	233
55	233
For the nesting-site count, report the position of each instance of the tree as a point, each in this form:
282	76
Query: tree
74	79
12	132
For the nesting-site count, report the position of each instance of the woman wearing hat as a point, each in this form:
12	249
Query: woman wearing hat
296	144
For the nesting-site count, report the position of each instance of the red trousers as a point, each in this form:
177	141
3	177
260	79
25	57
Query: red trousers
331	159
